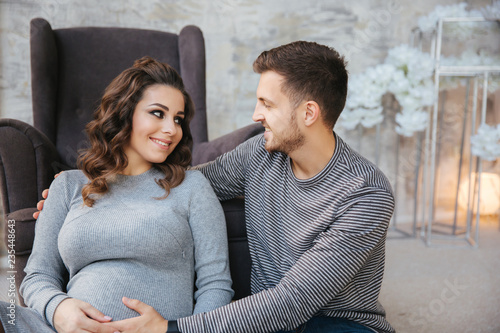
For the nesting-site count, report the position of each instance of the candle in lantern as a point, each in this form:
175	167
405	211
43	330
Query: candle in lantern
490	194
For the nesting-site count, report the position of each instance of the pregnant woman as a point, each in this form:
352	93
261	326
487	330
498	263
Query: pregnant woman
132	222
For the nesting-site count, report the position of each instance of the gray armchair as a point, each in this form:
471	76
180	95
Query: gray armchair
70	70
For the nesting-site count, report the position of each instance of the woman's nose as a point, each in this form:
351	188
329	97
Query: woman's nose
169	127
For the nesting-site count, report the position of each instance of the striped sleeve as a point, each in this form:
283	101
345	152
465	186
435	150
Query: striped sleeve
357	232
227	173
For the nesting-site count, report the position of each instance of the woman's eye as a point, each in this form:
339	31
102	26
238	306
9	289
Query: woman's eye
157	113
178	120
267	106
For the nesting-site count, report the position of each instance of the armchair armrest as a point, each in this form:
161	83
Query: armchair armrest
28	162
208	151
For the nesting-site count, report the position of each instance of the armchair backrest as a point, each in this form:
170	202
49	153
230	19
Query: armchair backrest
70	70
72	67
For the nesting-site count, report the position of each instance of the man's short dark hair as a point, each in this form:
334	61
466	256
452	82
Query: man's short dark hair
311	72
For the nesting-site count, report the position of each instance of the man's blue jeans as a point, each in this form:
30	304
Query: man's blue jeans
328	324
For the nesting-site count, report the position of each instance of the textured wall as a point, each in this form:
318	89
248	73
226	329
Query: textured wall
235	31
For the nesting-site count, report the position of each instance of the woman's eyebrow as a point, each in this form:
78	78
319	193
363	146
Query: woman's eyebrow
160	105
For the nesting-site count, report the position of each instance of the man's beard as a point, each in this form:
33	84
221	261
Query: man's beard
291	139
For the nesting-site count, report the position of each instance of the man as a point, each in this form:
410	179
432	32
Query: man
317	212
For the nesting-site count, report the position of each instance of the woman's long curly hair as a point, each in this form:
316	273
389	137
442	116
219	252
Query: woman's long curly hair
109	132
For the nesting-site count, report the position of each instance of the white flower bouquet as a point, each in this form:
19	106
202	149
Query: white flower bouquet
407	74
486	143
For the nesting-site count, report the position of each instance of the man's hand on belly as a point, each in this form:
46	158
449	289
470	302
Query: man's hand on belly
73	315
149	321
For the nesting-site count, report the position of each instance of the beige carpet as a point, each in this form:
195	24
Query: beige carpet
443	289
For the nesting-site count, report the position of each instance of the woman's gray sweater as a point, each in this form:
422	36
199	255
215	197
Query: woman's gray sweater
130	244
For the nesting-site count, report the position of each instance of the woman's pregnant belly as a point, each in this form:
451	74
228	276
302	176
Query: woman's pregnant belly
103	284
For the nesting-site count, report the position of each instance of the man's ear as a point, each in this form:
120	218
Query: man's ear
312	113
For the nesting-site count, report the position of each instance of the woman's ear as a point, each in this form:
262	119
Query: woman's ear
312	113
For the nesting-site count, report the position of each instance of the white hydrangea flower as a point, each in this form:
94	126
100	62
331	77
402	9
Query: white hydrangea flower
399	56
381	75
420	66
400	83
364	98
372	117
364	91
486	143
415	64
470	58
408	102
407	74
477	58
428	22
411	122
423	92
349	119
492	12
461	30
412	86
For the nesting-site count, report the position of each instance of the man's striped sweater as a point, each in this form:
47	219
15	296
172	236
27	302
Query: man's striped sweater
317	245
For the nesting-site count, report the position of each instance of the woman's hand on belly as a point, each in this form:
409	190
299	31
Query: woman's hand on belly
149	321
73	315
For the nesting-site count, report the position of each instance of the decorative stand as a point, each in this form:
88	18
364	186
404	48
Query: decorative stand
470	233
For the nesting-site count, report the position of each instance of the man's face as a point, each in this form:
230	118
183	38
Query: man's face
276	114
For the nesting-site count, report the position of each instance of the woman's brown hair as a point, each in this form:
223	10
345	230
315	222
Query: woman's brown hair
109	132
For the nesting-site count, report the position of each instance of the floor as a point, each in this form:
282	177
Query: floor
442	288
433	289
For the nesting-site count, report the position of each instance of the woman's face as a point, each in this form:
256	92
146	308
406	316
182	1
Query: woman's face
156	128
